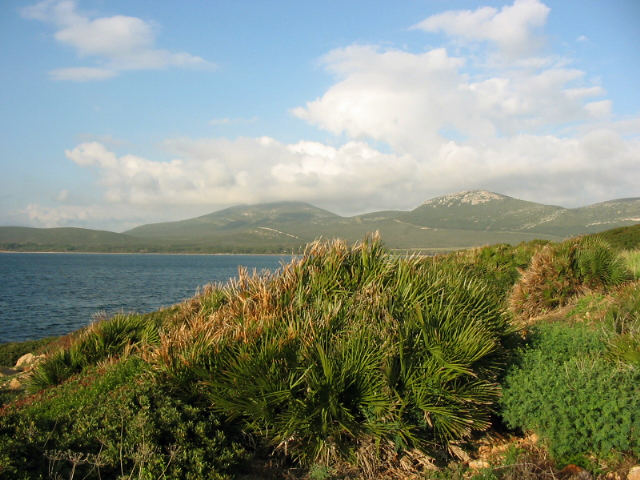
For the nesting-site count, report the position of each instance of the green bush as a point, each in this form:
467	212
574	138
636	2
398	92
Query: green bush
598	265
116	422
103	339
497	265
348	344
623	318
566	389
558	272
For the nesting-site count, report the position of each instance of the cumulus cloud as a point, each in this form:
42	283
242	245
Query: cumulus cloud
214	173
408	99
513	29
117	43
219	172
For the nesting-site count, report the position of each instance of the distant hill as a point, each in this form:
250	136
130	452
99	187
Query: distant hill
267	217
460	220
481	210
68	239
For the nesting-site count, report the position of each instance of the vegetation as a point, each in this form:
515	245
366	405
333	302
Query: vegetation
562	389
623	238
103	339
464	220
345	344
350	362
116	421
559	272
10	352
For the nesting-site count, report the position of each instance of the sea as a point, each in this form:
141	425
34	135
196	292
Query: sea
50	294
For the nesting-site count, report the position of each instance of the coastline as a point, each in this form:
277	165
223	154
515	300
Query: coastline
57	252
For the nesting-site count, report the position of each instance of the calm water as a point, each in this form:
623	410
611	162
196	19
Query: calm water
44	294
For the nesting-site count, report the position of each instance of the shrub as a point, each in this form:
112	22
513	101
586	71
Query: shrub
498	265
558	272
101	340
565	389
597	265
346	344
623	319
116	422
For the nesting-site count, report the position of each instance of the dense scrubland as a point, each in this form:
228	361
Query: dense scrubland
502	362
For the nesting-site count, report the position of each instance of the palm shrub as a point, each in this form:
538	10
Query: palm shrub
632	260
598	265
499	265
346	344
101	340
560	271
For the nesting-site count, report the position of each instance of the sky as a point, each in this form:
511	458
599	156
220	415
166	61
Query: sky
119	113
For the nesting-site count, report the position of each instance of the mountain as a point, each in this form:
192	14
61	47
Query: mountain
459	220
593	218
66	239
488	211
480	210
268	217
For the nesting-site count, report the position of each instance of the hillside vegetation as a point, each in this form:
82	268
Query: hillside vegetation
351	362
448	223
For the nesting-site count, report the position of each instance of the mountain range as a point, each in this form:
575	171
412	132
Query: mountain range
459	220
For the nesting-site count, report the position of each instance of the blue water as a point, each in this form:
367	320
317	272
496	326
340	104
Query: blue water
44	294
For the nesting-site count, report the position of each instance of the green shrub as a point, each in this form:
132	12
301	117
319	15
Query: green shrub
347	344
116	422
623	319
565	389
558	272
498	265
102	340
598	265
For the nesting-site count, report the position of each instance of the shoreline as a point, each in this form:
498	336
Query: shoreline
151	253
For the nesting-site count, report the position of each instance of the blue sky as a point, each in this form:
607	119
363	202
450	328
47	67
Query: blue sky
117	113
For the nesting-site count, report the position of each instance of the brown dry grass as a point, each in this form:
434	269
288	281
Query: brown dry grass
545	285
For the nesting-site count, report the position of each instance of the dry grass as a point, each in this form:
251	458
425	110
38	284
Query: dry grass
249	304
543	286
632	260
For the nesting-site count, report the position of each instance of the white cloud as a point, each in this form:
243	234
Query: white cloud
408	99
209	174
117	43
513	29
82	74
71	215
219	172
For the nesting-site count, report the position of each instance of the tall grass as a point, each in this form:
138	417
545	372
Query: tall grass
101	340
345	344
632	260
